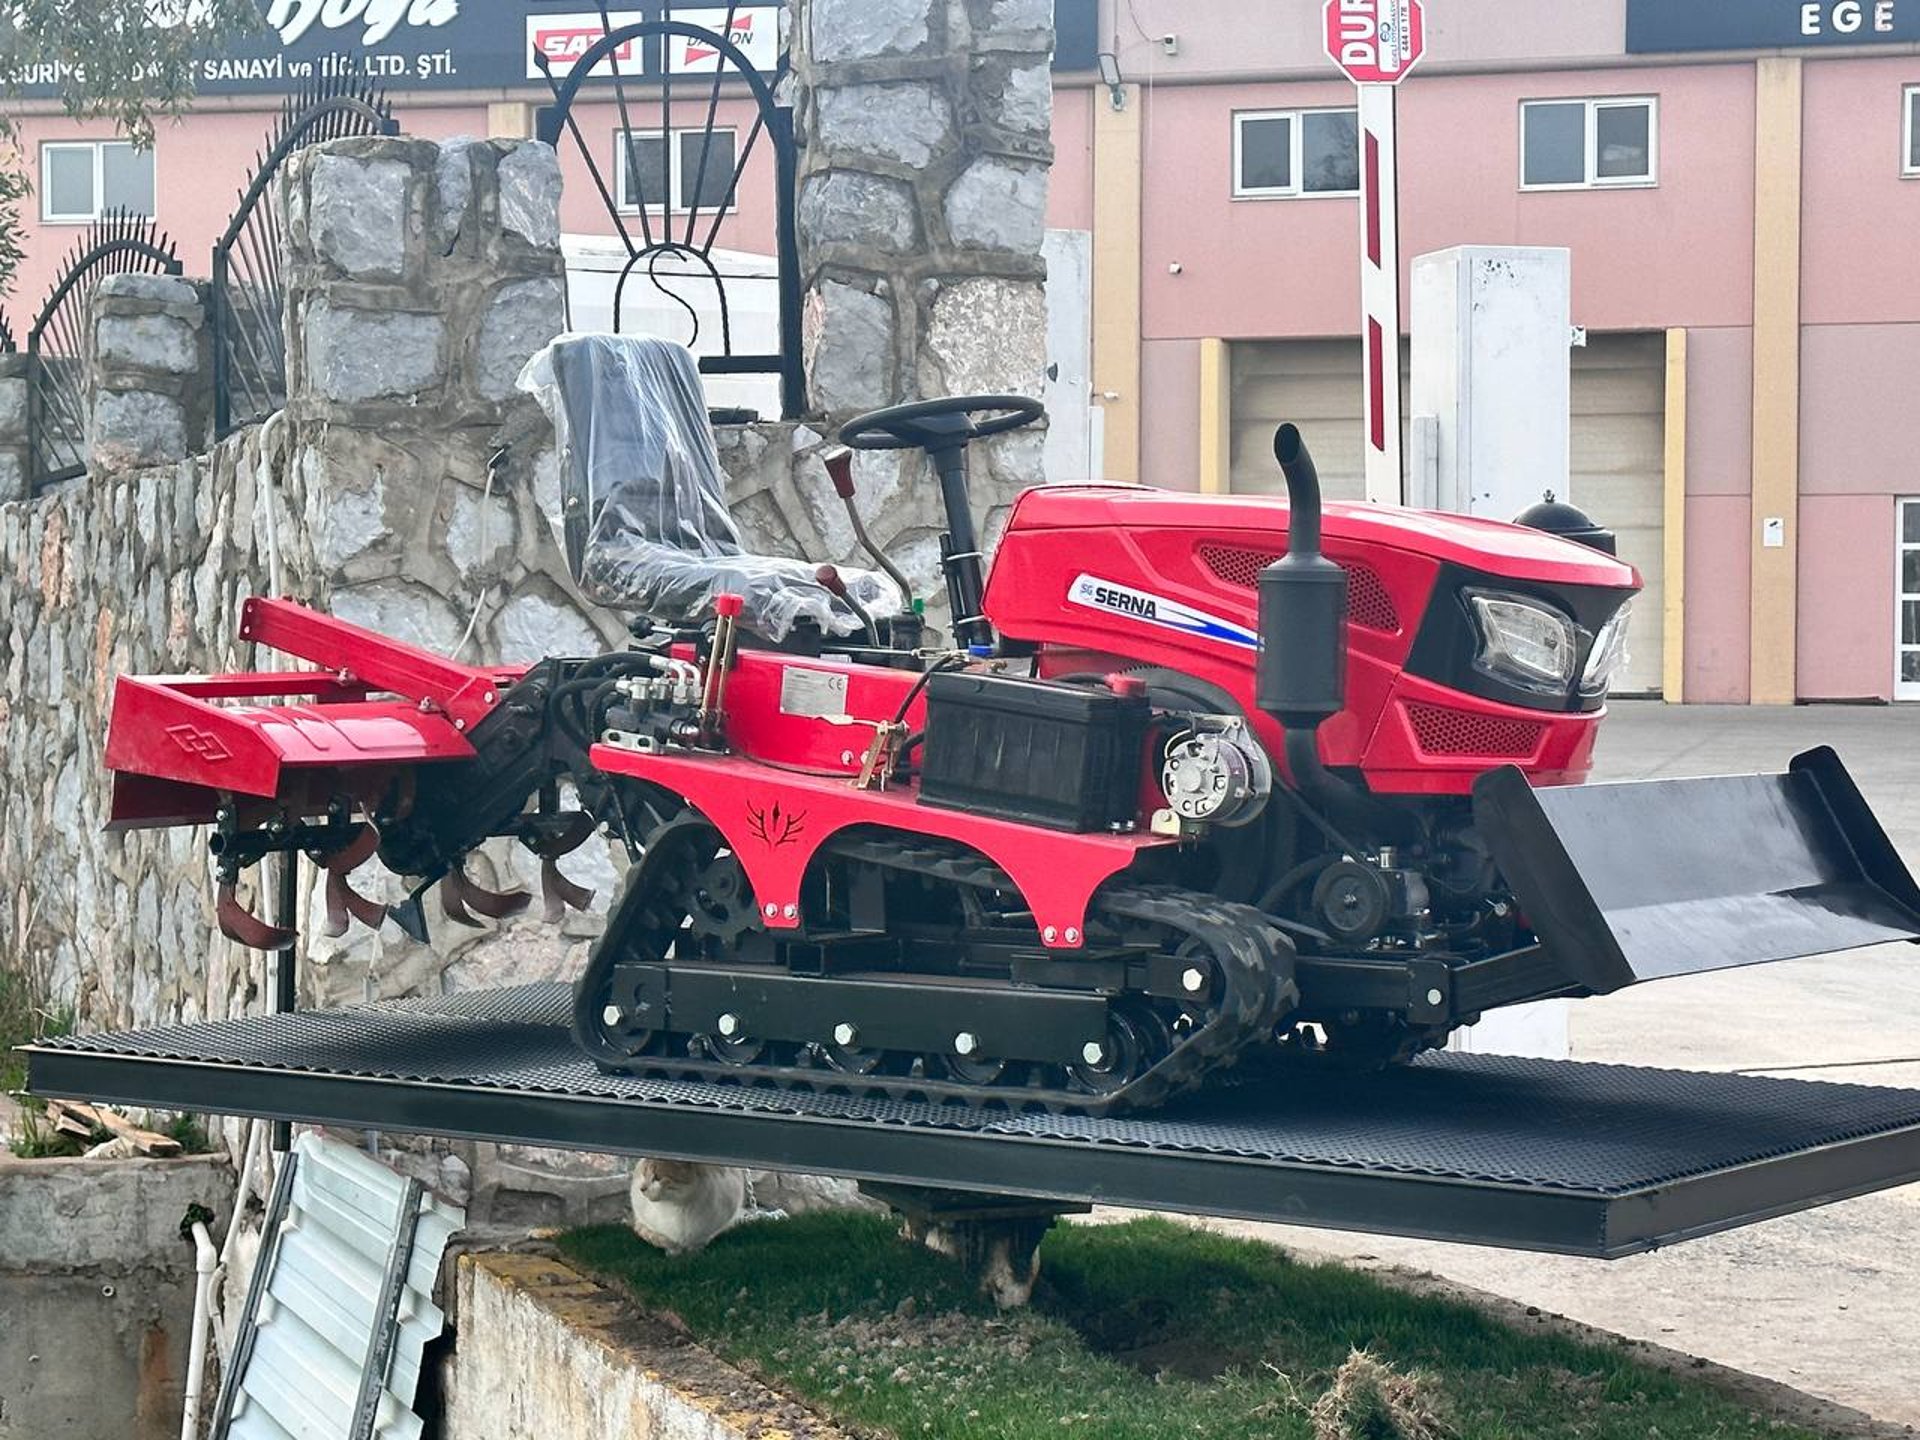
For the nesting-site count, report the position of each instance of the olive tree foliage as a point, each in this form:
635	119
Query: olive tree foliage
128	61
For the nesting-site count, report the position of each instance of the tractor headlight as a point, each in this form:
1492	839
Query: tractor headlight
1609	653
1524	642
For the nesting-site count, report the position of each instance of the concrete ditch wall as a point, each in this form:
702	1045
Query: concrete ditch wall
96	1294
542	1350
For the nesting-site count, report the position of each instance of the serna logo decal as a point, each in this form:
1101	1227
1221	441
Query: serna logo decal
1091	592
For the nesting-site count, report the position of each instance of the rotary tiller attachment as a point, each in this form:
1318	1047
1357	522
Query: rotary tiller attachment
1654	878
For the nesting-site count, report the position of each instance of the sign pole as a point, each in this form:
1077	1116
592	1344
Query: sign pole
1375	43
1380	292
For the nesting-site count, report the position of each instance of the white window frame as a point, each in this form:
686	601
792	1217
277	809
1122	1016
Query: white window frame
1902	689
1297	142
98	148
677	179
1595	180
1909	131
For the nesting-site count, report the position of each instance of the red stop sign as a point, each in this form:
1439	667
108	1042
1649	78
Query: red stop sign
1376	41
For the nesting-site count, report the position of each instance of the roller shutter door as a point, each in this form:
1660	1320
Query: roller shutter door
1619	399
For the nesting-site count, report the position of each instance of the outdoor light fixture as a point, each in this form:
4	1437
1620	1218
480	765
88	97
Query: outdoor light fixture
1110	77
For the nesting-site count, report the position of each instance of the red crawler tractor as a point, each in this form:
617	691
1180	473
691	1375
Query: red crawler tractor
1198	778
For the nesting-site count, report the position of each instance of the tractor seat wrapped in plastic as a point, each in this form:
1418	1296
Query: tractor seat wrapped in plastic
643	502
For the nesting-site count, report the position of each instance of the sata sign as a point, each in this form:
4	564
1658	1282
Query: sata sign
1376	41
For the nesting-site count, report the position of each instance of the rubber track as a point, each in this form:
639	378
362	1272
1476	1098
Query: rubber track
1253	956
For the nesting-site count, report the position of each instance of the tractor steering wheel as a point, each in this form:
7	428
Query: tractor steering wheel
943	424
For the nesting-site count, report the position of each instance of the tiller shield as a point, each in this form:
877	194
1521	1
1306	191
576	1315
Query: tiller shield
375	748
1646	879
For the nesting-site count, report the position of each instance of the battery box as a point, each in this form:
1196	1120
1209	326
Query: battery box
1066	757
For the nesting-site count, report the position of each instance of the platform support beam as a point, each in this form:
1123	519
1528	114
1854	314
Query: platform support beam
995	1239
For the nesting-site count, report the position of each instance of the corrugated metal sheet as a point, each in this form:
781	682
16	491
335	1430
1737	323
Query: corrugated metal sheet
348	1293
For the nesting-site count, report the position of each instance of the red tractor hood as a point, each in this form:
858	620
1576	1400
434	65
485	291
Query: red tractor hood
1493	546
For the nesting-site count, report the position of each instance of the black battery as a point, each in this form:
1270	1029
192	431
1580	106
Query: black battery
1066	757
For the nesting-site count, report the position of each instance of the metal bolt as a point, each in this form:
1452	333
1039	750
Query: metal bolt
1073	936
846	757
1193	980
791	912
610	1015
1434	997
1050	934
771	910
965	1043
1094	1053
728	1025
845	1034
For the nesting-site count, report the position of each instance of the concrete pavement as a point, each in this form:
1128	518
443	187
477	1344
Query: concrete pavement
1827	1301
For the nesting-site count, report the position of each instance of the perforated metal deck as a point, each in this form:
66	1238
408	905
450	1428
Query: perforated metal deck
1581	1159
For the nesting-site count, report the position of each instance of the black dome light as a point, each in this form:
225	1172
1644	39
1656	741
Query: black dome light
1557	517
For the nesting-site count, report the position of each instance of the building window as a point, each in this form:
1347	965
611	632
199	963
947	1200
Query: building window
1907	597
81	180
1910	164
1296	152
1582	144
698	166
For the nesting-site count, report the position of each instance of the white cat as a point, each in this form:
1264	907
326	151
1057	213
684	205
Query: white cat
680	1206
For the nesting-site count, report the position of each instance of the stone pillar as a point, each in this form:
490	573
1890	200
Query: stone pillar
149	372
925	127
15	469
421	277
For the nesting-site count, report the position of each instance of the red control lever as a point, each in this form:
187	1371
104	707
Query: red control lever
840	472
831	582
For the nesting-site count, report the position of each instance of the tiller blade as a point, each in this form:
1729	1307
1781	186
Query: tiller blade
1638	881
243	927
558	893
459	897
343	901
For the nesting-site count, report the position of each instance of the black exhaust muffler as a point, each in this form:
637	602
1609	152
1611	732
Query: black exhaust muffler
1300	677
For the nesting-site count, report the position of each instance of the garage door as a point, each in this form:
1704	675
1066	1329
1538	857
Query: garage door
1619	398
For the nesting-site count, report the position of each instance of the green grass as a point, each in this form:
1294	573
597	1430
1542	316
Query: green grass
1139	1331
23	1020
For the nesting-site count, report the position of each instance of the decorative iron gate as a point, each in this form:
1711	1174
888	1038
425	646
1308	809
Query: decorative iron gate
118	243
249	299
690	245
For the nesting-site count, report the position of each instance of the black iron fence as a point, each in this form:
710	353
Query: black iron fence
119	243
249	296
675	187
668	197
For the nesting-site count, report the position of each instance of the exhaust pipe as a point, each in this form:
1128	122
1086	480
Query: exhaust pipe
1300	677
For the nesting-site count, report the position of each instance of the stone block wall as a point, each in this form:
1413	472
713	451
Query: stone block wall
15	467
149	372
142	571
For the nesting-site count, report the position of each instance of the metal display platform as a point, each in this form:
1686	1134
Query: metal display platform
1579	1159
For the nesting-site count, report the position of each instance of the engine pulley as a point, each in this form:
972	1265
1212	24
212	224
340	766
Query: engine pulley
1219	776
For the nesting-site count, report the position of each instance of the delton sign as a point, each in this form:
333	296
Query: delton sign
1375	41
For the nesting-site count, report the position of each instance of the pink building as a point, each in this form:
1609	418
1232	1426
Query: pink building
1738	182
